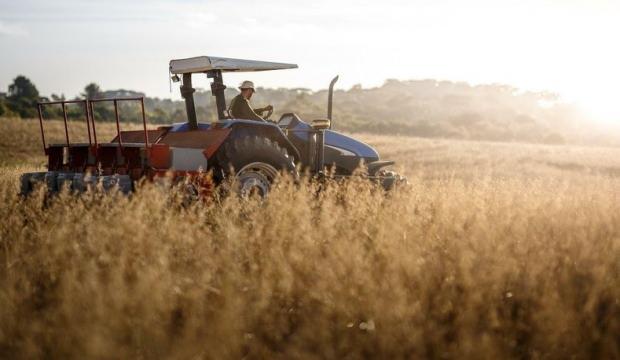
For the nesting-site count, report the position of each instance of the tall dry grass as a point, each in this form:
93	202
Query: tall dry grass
491	268
494	251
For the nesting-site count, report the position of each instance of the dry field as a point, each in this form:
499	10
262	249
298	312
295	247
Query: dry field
493	251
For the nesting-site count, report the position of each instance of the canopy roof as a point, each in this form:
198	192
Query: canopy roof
201	64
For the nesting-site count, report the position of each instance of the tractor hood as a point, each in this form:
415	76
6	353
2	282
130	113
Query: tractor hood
335	142
340	150
348	146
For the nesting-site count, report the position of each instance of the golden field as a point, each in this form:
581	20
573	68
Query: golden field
494	250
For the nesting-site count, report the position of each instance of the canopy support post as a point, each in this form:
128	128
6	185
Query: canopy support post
217	90
187	91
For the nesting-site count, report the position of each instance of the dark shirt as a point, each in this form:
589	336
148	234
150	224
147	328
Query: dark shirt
240	109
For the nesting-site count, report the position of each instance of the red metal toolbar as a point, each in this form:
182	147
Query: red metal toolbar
63	104
90	120
115	101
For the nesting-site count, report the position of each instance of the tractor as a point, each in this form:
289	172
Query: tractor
252	153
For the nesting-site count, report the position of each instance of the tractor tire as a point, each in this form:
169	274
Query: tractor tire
391	179
255	162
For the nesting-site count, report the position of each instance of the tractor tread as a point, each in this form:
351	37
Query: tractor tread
241	151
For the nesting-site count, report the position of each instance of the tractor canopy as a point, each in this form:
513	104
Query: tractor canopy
202	64
214	67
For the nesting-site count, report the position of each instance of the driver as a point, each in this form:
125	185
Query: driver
240	105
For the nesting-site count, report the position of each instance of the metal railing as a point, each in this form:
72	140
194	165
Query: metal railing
115	101
90	120
63	104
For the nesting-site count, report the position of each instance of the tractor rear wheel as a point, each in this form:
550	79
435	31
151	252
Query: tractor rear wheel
255	163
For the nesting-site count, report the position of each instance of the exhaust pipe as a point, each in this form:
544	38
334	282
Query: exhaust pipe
319	126
330	97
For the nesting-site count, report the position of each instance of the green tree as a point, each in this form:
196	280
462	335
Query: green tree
92	91
22	87
56	97
102	111
158	116
22	97
4	110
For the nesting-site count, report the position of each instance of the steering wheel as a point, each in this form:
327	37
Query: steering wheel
269	112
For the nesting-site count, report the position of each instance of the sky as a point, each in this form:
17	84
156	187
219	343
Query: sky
564	46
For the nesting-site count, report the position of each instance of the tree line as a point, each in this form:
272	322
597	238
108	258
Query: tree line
22	97
425	108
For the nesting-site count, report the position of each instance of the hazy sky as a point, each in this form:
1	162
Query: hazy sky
567	46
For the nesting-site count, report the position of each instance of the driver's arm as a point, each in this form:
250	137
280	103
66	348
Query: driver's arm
242	110
263	109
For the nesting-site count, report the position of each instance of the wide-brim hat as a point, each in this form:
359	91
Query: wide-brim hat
247	85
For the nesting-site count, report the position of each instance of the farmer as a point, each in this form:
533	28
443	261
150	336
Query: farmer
240	105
